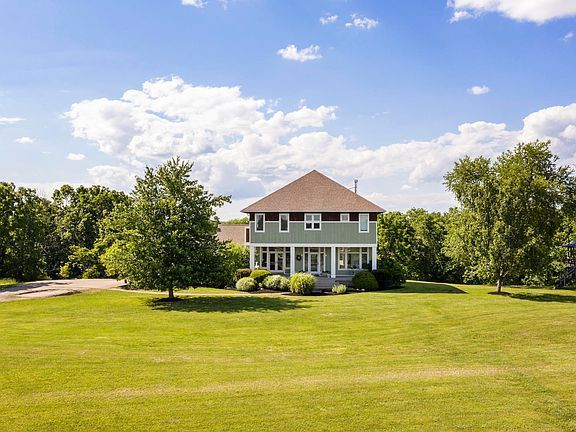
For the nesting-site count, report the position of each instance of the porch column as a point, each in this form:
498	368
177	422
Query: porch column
252	257
292	260
374	257
333	261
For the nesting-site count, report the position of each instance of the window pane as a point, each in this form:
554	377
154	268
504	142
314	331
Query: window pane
259	222
308	225
317	225
353	260
363	223
284	222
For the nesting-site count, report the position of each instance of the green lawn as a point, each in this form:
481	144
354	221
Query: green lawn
428	357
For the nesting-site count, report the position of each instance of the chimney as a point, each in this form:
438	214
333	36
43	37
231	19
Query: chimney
355	186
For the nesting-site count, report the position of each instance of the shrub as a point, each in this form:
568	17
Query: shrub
339	289
246	284
241	273
365	281
277	283
302	283
260	275
389	275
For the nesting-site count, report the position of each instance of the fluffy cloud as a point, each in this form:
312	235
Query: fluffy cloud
10	120
195	3
362	22
538	11
246	147
478	90
328	19
568	36
75	156
25	140
291	52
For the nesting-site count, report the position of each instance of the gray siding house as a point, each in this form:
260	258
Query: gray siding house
313	225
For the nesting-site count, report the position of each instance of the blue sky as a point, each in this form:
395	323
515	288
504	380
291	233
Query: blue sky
396	84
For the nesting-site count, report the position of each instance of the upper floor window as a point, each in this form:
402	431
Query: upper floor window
312	221
344	217
284	222
363	223
260	219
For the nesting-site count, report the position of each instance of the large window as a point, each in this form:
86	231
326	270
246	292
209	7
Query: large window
354	258
364	223
260	219
284	222
312	221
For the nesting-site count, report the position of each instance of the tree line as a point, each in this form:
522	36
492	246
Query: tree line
513	215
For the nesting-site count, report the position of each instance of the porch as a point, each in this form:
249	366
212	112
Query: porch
334	261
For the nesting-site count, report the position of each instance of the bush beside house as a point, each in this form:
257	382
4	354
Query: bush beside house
260	275
339	289
365	281
246	284
302	283
276	283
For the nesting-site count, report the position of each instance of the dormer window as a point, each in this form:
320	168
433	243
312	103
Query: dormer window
312	221
260	219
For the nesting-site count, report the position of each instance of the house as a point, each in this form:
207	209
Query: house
313	225
235	233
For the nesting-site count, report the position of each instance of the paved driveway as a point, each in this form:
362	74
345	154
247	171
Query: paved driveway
55	288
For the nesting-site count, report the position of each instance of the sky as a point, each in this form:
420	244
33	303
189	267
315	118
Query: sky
258	92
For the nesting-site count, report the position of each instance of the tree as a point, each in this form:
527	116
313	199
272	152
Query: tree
23	228
166	237
78	215
242	220
509	212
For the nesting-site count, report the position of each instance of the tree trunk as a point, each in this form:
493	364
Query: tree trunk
171	293
499	283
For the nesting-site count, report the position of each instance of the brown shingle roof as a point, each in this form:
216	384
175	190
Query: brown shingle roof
235	233
313	192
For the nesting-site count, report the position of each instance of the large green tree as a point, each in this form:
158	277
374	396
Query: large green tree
166	237
509	213
24	222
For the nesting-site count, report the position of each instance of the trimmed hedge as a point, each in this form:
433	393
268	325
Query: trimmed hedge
246	284
260	275
302	283
365	281
339	289
241	273
276	283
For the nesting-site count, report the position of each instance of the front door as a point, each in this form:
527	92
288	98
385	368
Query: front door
314	262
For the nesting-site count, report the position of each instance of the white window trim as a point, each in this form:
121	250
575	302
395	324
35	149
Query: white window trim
360	223
313	222
263	222
342	217
280	222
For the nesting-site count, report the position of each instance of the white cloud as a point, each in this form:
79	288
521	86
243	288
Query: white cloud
568	36
75	156
25	140
291	52
537	11
10	120
328	19
478	90
240	148
195	3
460	15
362	22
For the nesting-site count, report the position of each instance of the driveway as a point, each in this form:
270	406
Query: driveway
53	288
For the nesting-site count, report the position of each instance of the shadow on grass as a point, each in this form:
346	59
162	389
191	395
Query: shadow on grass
226	304
427	288
546	298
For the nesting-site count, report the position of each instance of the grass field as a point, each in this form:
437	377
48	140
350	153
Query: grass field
428	357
